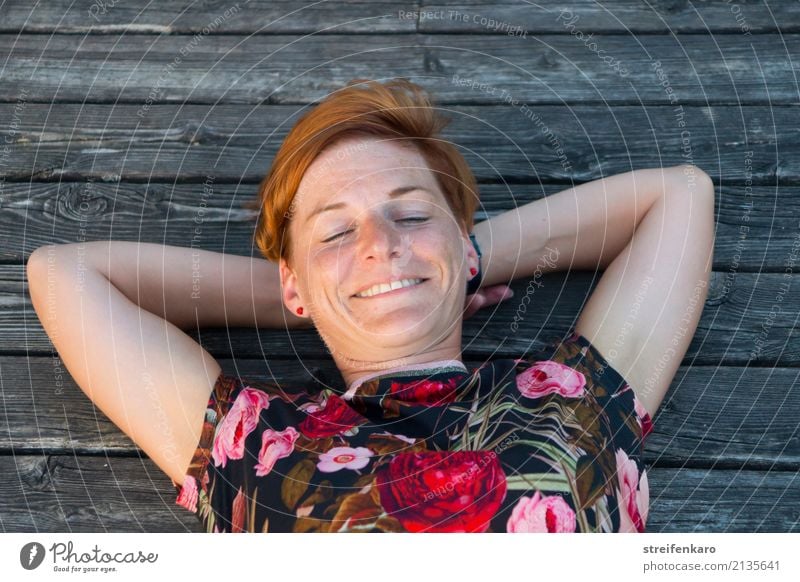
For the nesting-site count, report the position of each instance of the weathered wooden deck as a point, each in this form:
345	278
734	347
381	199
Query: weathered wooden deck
132	123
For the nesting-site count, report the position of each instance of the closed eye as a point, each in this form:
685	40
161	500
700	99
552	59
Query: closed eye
412	219
334	237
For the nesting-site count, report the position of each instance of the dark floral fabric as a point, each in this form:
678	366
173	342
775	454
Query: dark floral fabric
547	443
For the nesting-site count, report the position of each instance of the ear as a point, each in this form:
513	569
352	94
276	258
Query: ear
290	291
471	258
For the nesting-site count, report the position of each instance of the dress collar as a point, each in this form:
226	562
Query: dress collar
425	367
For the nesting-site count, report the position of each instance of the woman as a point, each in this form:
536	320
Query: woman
366	220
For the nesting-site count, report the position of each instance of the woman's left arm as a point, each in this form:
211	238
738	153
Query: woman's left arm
652	231
581	228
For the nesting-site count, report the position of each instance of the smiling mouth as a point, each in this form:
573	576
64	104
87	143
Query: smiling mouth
392	288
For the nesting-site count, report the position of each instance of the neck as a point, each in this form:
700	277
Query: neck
356	371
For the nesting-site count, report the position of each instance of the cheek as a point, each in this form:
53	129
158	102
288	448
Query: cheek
327	268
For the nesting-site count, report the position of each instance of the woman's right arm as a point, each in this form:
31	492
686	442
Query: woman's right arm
114	310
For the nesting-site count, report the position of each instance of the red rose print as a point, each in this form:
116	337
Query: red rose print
442	491
426	391
337	417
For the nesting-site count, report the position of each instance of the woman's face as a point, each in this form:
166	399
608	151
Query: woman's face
368	214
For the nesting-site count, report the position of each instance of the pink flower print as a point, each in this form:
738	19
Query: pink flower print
549	377
633	494
188	496
240	421
644	418
274	445
541	514
344	458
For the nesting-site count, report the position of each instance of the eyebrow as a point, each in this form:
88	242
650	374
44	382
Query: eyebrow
393	194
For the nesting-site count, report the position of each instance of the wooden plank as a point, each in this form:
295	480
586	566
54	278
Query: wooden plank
748	319
54	493
558	69
235	143
192	17
752	234
721	417
620	16
186	16
694	501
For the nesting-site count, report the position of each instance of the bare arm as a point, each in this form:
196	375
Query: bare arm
584	227
149	377
652	232
192	288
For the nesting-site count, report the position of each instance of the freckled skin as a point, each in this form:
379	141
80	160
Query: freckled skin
380	238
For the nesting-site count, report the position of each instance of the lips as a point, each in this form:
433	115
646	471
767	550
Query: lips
389	287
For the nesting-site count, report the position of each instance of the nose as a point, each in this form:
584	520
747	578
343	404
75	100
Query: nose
379	239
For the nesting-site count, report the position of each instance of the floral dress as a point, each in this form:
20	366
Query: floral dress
547	443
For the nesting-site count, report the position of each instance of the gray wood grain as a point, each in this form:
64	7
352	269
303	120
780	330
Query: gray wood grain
724	417
236	143
63	493
207	17
133	121
621	16
557	69
748	319
756	226
262	17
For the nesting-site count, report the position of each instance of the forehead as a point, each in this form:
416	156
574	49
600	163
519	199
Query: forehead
359	162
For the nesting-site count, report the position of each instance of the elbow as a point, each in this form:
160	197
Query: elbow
44	260
37	261
693	178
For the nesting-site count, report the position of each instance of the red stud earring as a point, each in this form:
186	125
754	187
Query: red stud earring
299	311
473	271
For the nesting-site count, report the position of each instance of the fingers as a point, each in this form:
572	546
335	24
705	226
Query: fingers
486	297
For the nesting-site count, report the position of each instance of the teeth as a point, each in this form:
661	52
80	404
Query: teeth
386	287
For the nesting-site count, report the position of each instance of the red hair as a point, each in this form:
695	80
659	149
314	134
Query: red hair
397	109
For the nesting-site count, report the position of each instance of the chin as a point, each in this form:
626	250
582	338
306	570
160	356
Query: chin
405	324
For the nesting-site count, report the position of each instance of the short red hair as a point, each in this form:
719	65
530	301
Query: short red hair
391	110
